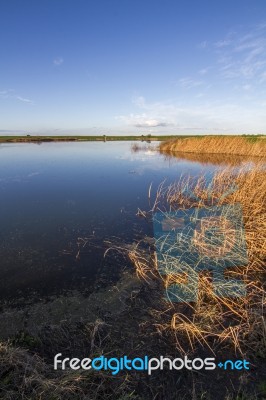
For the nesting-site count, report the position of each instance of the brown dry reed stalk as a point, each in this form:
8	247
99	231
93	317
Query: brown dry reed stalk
237	322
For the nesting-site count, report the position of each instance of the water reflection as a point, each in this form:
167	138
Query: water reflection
213	159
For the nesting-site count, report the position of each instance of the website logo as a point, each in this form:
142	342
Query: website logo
116	365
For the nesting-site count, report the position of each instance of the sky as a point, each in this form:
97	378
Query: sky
94	67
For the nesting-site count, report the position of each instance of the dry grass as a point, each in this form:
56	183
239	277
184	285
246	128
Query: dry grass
27	376
213	322
229	145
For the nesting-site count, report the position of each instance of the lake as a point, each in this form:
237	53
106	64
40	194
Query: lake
63	204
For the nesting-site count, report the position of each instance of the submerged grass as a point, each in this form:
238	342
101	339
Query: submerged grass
229	145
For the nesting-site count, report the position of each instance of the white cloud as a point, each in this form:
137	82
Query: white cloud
24	100
243	56
151	123
143	121
234	103
58	61
11	94
6	94
189	83
204	71
222	43
203	45
199	117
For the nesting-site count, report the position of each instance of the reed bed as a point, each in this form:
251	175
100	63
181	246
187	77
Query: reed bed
230	145
213	322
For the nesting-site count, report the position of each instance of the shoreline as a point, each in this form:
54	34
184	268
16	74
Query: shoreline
169	140
73	138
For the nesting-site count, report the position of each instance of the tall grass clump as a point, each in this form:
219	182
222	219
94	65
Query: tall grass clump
214	322
234	145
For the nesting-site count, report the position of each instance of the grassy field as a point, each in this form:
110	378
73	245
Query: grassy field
230	145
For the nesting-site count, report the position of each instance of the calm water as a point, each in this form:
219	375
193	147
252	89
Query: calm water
54	195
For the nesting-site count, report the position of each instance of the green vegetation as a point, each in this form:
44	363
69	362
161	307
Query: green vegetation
75	138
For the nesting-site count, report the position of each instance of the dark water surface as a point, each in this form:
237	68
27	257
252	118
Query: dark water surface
54	195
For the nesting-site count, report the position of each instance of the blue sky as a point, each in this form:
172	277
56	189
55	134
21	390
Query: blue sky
132	66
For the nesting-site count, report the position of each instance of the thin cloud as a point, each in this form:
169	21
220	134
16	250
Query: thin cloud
243	56
222	43
11	94
247	87
23	99
6	94
263	77
11	131
203	44
189	83
238	68
199	95
204	71
58	61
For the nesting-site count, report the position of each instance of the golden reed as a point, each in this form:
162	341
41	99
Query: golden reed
234	145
